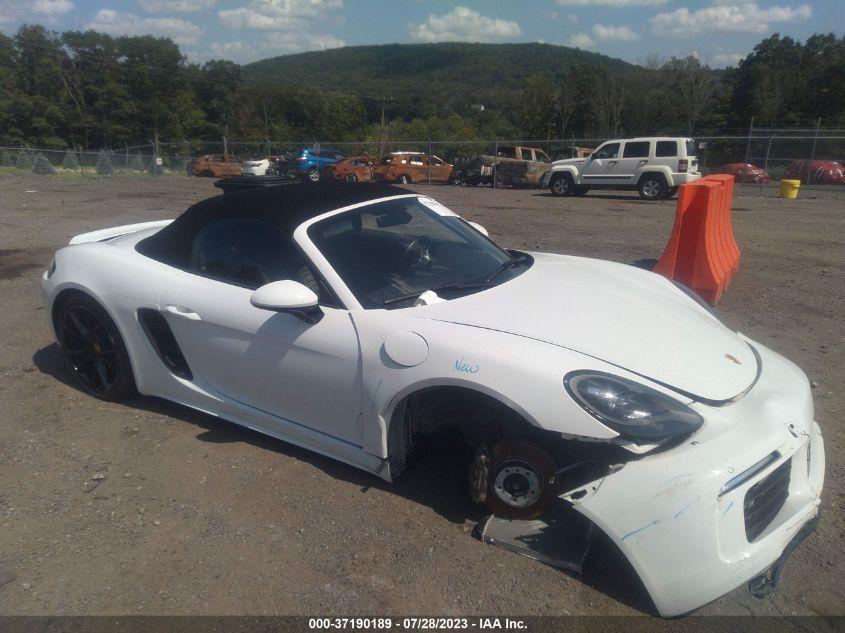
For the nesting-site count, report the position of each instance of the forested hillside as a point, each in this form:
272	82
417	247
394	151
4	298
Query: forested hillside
96	91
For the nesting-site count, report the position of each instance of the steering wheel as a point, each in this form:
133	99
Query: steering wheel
417	255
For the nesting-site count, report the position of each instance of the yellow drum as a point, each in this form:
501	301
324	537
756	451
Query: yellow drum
789	188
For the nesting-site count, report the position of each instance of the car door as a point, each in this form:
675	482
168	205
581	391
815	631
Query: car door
602	168
633	159
361	169
440	170
418	168
307	373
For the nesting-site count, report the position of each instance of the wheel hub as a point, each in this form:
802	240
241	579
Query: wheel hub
651	188
517	485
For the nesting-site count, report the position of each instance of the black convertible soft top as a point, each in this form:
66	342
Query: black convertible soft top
285	206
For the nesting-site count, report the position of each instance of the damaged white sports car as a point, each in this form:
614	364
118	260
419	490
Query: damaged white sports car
351	320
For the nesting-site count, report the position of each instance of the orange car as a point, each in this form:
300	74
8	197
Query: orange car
214	166
407	167
352	169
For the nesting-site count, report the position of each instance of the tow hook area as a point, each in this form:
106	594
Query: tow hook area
764	584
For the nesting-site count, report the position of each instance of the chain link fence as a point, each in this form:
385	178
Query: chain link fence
775	151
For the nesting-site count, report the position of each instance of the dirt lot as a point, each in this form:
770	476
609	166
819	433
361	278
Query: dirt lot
148	508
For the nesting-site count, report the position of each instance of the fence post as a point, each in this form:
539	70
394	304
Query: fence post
766	164
748	146
495	156
429	160
155	154
813	152
81	160
126	161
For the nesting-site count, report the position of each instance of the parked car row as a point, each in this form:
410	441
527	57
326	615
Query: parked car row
653	166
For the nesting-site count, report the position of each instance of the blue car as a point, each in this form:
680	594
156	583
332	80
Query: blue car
308	163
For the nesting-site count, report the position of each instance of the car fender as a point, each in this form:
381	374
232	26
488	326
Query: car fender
663	170
121	281
512	369
572	170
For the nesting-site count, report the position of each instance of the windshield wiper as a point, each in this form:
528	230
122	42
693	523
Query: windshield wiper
508	263
437	290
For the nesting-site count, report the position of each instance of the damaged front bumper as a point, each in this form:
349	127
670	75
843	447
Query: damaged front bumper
720	510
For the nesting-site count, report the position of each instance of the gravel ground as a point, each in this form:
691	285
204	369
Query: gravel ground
149	508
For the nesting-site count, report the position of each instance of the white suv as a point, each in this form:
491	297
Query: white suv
654	166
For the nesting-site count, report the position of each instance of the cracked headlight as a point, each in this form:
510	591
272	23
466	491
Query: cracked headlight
631	409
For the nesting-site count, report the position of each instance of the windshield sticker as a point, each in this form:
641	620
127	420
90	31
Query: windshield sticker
435	206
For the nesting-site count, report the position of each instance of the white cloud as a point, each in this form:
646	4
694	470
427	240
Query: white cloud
581	40
725	18
273	15
463	25
116	23
288	26
52	7
293	42
615	33
611	3
176	6
720	60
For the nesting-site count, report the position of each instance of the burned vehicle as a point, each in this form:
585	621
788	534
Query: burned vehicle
412	167
573	381
508	166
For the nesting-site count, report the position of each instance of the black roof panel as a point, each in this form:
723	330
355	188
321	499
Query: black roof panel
286	206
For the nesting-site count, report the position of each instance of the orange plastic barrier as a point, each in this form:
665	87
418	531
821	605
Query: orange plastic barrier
702	252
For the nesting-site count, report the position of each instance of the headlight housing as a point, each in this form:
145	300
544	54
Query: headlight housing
633	410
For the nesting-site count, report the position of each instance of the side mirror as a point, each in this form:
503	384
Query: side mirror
288	296
478	228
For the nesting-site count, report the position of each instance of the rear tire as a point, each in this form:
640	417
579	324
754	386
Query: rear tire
313	175
653	187
350	178
404	179
206	173
94	349
562	185
521	480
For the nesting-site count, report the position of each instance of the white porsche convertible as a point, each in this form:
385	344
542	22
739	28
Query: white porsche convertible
353	320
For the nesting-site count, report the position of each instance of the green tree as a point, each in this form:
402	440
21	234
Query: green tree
70	161
42	116
535	108
41	165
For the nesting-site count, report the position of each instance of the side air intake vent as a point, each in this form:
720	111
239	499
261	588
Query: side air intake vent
162	339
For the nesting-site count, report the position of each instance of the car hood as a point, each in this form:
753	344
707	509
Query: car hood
570	161
619	314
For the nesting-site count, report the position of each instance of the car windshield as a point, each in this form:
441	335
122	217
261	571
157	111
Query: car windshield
390	252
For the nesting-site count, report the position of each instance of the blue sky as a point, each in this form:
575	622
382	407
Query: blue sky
718	31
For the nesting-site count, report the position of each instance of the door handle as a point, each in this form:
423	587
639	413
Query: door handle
643	162
612	162
183	312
